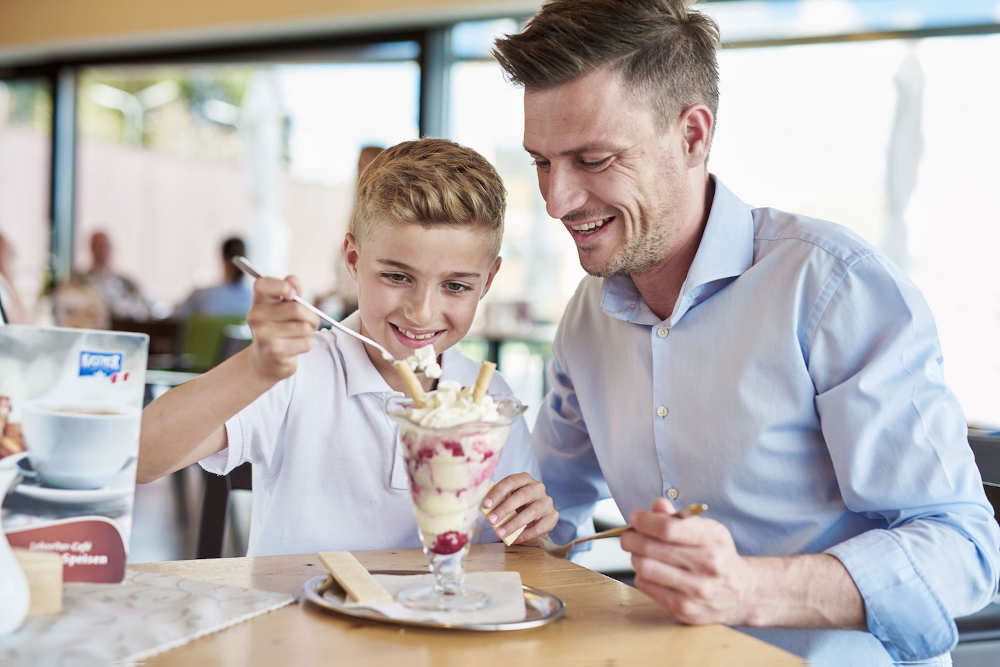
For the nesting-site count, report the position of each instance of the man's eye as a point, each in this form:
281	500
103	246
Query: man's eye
456	287
595	164
395	277
539	163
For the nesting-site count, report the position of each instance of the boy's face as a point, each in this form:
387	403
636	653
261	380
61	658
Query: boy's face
419	285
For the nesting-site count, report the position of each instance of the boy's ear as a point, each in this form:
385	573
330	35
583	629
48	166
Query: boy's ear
351	254
489	278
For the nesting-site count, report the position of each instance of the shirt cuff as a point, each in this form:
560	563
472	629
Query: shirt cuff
901	610
223	461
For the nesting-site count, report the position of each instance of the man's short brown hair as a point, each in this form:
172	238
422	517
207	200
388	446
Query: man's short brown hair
430	181
663	51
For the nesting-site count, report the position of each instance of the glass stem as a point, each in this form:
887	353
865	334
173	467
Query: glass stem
449	572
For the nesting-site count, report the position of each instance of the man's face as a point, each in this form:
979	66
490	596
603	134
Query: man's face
100	249
615	179
419	285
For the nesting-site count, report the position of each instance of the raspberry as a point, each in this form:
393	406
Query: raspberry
449	542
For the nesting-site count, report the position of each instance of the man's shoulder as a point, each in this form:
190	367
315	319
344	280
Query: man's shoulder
776	230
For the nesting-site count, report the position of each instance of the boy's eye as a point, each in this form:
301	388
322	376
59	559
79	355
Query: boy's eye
395	277
456	287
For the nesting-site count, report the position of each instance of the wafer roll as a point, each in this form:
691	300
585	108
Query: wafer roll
483	381
413	387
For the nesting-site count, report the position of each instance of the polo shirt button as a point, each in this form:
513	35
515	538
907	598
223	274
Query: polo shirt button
662	332
672	493
662	411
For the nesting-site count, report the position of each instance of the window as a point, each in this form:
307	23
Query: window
897	140
25	132
173	159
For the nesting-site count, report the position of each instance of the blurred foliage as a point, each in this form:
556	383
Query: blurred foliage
168	124
26	102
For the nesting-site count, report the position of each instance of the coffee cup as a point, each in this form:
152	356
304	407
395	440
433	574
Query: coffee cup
79	446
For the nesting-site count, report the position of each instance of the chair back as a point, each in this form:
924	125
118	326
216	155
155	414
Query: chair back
203	335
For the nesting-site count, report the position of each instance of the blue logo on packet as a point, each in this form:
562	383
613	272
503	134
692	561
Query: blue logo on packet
94	363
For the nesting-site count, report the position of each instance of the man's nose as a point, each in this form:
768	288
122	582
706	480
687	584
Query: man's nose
563	191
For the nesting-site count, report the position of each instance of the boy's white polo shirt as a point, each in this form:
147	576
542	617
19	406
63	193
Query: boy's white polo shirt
327	472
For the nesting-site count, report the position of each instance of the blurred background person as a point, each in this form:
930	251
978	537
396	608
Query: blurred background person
122	295
342	299
14	310
232	297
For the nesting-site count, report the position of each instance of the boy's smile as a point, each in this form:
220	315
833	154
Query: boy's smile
419	285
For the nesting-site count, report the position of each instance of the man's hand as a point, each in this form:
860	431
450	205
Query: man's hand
282	328
690	566
524	495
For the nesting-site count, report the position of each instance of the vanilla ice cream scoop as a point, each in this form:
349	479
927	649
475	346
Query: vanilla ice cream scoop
424	360
452	404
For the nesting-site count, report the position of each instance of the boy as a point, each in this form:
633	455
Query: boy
306	407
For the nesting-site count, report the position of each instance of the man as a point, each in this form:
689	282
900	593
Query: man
122	295
232	297
772	366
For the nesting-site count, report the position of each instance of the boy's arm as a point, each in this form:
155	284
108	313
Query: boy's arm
188	422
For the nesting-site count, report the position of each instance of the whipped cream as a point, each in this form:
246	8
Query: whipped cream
452	404
424	360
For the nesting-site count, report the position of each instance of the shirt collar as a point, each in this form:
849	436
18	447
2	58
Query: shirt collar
725	252
360	374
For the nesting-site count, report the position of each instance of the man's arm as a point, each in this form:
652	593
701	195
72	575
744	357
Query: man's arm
569	467
188	422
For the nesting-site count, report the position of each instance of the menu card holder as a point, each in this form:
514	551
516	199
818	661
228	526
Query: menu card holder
70	406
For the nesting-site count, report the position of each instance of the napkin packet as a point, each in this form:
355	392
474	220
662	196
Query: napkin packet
70	406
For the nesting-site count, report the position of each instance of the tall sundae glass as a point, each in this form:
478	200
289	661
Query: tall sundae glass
451	444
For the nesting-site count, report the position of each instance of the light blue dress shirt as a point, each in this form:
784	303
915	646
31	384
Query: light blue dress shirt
796	388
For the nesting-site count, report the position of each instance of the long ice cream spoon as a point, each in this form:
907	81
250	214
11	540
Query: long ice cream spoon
244	265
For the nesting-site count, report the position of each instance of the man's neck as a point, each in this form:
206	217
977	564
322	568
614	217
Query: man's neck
661	286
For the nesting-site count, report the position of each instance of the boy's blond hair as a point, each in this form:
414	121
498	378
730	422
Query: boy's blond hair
429	182
664	51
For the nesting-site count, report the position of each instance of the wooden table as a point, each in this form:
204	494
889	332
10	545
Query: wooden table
606	622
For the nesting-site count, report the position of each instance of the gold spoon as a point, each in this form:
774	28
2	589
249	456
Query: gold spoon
560	550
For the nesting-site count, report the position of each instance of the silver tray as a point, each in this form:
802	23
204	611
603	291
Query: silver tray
540	607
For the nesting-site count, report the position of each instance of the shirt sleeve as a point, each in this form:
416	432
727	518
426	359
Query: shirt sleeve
570	471
254	433
897	440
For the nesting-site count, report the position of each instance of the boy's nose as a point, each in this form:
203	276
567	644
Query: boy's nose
420	308
562	191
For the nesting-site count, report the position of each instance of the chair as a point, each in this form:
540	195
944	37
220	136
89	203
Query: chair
203	336
215	506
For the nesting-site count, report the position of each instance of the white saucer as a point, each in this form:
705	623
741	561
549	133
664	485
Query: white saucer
120	485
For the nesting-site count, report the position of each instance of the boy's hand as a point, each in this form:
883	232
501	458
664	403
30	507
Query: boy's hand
282	329
525	497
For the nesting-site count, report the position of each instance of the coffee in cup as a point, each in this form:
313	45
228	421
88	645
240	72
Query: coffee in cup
79	446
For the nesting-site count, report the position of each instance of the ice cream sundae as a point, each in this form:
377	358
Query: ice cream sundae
451	439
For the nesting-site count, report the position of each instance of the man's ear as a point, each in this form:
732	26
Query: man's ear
696	123
351	254
491	276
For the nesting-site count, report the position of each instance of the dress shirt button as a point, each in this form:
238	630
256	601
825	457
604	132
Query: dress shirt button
672	493
662	411
662	332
